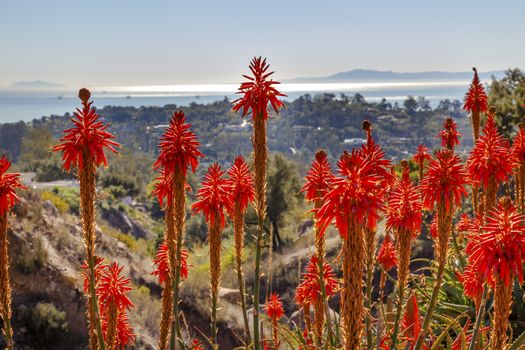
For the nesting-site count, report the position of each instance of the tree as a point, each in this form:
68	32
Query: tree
284	185
410	105
424	104
508	96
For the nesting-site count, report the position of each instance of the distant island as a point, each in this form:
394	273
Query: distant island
37	84
362	75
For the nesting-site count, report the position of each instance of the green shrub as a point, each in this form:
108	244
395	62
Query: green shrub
57	201
32	258
47	322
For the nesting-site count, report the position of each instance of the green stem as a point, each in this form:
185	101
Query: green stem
479	317
461	258
257	283
401	295
327	306
8	334
432	303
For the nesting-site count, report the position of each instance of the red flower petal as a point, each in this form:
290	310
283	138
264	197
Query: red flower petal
258	92
274	307
88	137
9	182
214	195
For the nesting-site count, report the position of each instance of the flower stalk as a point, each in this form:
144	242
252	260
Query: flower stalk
258	94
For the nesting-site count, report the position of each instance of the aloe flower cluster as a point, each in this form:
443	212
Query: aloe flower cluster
179	152
83	148
364	196
9	183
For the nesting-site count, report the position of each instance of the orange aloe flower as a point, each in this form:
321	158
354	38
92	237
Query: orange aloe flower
179	147
476	98
319	178
241	184
309	291
420	157
411	322
498	254
449	135
274	310
490	157
258	92
213	201
242	193
476	102
9	183
355	194
162	263
444	181
112	290
404	206
498	251
386	257
88	137
214	197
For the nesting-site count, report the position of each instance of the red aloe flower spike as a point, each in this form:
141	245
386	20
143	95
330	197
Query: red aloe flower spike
196	345
318	178
162	263
386	257
472	282
258	92
274	310
372	150
498	251
449	135
518	146
490	158
357	193
242	193
309	291
179	147
404	205
112	288
124	332
411	322
444	181
99	267
214	196
476	98
476	103
213	200
87	138
9	182
163	187
241	184
420	157
274	307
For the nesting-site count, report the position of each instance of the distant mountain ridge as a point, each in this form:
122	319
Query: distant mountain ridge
375	75
36	84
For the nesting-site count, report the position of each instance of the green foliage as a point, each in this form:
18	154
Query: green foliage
32	257
508	96
57	201
284	185
47	322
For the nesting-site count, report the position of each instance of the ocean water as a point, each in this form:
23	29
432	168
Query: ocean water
26	105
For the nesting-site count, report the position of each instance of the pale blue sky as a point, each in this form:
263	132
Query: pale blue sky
120	42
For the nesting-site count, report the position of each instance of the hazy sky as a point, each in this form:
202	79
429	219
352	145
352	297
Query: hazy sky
119	42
